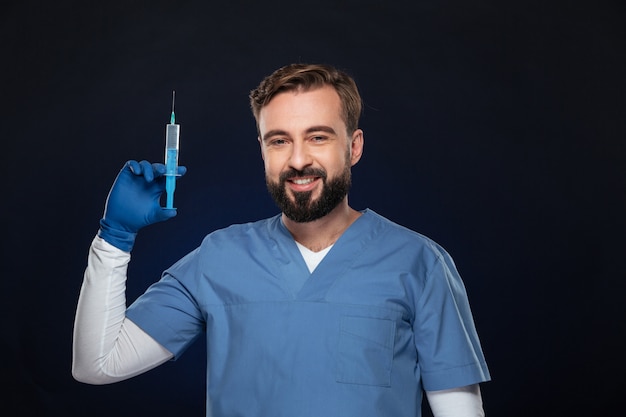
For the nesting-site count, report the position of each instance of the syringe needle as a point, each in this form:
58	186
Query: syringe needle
173	118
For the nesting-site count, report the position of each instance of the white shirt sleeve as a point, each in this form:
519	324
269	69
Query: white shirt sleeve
457	402
107	347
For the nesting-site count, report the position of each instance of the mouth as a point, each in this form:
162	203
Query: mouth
302	184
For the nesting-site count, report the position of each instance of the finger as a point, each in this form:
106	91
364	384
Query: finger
148	172
159	169
134	167
162	214
182	170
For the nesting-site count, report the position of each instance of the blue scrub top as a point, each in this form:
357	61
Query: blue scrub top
383	316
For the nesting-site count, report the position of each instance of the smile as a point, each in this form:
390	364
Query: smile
303	181
303	184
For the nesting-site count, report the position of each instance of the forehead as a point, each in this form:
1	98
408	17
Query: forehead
293	110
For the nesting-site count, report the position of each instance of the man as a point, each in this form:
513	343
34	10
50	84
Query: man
322	310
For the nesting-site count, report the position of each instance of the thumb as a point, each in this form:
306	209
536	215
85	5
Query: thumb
162	214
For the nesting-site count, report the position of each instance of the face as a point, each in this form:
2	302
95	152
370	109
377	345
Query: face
307	152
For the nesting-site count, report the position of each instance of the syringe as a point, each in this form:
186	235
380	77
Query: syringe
172	132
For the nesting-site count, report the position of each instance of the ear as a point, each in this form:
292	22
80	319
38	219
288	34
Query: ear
356	147
261	146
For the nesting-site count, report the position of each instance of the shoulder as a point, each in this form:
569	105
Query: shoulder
395	243
237	235
388	230
230	245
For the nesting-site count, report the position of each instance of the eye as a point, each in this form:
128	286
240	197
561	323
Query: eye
277	142
318	139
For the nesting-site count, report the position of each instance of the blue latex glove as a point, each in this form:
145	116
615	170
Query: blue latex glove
134	202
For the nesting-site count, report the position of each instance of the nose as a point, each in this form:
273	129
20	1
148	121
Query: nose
300	157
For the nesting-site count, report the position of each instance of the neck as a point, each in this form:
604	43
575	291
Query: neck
323	232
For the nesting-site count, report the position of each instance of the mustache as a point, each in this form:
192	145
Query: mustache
306	172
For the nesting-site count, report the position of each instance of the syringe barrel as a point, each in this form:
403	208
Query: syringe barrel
172	133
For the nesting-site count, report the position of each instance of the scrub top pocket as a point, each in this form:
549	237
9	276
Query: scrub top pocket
365	351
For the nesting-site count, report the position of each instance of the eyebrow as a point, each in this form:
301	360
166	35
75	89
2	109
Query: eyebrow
275	132
321	128
312	129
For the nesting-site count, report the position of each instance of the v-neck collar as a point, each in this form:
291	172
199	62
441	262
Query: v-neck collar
293	272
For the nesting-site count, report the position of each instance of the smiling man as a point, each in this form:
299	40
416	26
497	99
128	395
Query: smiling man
321	310
308	152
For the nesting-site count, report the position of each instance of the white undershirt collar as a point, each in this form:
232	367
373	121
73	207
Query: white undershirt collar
311	258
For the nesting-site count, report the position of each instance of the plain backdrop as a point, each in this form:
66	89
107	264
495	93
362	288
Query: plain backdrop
498	129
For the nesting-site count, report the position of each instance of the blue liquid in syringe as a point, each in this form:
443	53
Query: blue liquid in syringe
171	161
171	167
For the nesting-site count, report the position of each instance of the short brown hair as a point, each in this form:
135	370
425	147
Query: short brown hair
306	77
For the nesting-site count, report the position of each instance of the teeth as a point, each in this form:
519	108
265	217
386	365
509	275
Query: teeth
303	181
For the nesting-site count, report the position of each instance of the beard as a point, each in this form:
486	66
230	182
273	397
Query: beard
303	208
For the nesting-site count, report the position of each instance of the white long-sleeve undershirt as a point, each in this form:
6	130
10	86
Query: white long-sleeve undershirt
457	402
108	347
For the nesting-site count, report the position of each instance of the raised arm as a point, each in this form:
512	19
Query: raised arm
107	347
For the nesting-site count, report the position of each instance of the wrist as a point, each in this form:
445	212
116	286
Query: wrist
121	239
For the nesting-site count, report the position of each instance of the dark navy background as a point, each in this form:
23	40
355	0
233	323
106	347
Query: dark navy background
496	128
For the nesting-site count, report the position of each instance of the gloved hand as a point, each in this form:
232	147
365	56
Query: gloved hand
134	202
